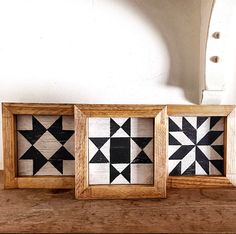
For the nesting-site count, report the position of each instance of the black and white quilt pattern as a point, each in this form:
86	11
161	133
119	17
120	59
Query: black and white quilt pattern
196	146
120	150
45	145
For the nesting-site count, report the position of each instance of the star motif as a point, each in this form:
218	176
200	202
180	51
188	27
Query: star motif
196	146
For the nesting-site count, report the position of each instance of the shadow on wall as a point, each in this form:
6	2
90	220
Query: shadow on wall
178	22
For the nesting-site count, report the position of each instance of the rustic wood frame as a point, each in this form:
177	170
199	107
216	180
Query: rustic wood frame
82	188
229	178
11	180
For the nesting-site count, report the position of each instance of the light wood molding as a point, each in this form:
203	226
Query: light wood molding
229	178
11	180
82	188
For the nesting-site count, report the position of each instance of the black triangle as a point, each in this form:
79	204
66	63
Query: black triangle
173	127
209	138
33	135
201	120
142	158
61	135
126	126
187	126
173	141
176	171
213	121
126	173
113	173
219	149
202	160
62	154
99	141
113	127
190	171
219	164
181	152
58	164
142	142
38	159
192	135
99	157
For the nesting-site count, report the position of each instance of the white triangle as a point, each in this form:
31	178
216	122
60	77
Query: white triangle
120	121
92	149
149	150
70	145
209	152
106	150
47	144
188	160
22	144
219	140
172	149
203	129
219	125
48	169
182	138
199	170
120	166
213	170
120	133
134	150
178	121
46	120
192	121
172	164
120	179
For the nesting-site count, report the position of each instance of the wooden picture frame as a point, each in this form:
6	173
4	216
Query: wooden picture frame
229	177
82	188
11	179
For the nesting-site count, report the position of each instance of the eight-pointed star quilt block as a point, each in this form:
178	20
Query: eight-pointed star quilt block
45	145
196	146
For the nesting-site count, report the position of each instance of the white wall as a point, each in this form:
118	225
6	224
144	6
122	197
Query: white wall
99	51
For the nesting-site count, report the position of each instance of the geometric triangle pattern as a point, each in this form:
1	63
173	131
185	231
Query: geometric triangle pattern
196	146
122	144
47	142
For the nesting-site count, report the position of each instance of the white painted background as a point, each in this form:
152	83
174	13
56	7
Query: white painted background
102	51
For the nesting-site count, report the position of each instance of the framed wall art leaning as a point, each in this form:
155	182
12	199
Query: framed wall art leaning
38	145
120	151
201	150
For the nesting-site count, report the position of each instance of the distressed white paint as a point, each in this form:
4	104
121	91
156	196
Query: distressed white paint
214	75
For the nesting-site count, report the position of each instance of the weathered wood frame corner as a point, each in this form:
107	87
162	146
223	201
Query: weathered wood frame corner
229	178
11	179
82	188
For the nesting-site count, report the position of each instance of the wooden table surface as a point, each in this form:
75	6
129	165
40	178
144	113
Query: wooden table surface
187	210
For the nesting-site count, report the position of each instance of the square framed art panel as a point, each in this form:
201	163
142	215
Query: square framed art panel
38	144
120	151
201	151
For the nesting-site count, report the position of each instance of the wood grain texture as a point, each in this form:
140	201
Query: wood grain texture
200	110
198	182
10	110
56	211
39	109
82	189
9	148
231	147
